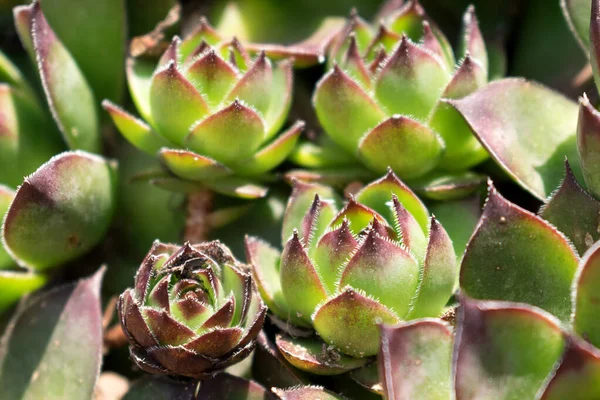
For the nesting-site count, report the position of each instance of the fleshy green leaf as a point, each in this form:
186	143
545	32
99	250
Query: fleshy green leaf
344	109
234	133
438	275
176	105
307	354
137	132
408	147
139	80
94	32
527	128
272	154
69	95
514	255
255	86
61	211
359	316
212	76
445	186
411	81
414	360
472	39
189	165
6	197
586	300
574	212
52	348
503	350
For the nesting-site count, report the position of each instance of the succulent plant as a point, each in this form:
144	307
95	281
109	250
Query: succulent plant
380	259
212	114
383	103
193	311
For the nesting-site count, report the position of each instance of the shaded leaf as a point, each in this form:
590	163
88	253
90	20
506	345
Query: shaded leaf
53	347
586	301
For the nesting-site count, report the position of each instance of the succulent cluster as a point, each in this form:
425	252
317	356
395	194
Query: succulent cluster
384	101
193	311
409	286
379	259
212	114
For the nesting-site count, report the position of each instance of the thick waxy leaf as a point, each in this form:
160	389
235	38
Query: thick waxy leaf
526	128
331	254
408	147
503	350
344	109
516	256
588	144
300	281
23	21
462	149
69	95
281	96
587	305
255	86
577	376
577	13
16	284
414	360
353	64
411	81
6	197
52	348
378	194
189	165
231	134
139	80
315	357
212	76
136	131
472	39
95	34
303	195
306	393
409	20
410	233
359	316
574	212
273	154
270	368
175	104
384	270
438	277
61	211
358	216
236	187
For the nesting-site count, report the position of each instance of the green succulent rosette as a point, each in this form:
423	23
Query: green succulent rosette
192	312
380	259
212	114
384	102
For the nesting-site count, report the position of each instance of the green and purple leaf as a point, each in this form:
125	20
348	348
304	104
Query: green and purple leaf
503	350
68	93
515	255
52	349
414	360
191	166
306	393
527	128
410	148
61	211
311	355
350	322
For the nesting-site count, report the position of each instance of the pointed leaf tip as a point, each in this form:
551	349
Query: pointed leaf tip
500	263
